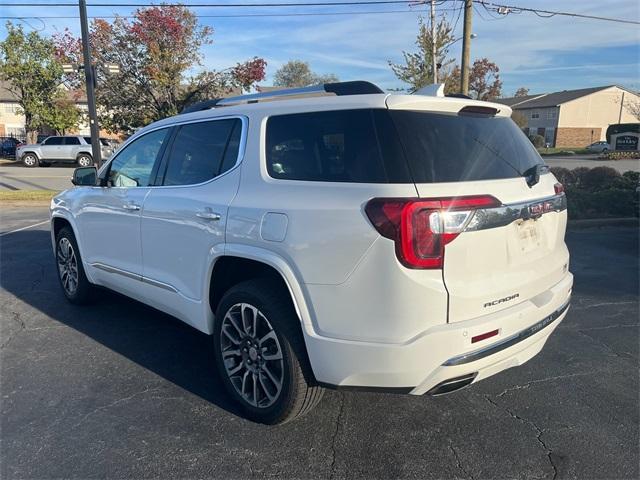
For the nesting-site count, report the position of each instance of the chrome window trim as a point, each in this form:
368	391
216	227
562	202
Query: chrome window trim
509	341
485	218
241	147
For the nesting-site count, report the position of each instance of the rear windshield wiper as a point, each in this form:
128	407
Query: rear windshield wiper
532	175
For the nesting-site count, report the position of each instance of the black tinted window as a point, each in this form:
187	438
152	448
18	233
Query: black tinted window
72	141
53	141
198	151
453	148
335	146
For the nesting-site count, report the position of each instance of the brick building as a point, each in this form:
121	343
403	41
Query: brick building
574	118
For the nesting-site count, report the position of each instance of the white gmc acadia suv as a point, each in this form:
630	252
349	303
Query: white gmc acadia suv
339	237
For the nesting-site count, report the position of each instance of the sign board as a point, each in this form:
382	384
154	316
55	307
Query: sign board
625	141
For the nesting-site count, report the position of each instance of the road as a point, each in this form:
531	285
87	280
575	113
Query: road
118	389
590	161
14	176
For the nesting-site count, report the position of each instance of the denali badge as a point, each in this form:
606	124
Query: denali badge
501	300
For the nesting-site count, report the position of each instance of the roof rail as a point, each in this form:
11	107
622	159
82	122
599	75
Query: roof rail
357	87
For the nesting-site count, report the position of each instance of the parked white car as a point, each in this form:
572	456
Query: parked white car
74	149
345	239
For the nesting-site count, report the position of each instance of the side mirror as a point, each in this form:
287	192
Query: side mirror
85	176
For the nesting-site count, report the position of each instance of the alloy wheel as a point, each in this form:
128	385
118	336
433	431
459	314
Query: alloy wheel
30	161
84	161
67	266
252	355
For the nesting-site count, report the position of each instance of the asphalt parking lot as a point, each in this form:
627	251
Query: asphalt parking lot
14	176
118	389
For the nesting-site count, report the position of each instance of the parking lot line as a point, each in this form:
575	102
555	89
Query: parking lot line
23	228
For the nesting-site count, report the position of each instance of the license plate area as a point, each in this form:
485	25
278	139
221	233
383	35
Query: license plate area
529	236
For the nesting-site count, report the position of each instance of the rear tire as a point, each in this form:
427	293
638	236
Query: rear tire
30	160
261	356
73	280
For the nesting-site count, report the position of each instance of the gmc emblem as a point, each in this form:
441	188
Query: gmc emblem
536	210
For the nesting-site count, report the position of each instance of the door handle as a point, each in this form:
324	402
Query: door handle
207	215
131	206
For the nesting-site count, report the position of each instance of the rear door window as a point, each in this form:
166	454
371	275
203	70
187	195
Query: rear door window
71	141
202	151
453	148
333	146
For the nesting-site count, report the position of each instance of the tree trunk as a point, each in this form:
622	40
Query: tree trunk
31	133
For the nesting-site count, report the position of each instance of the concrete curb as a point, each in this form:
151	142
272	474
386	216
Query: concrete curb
603	222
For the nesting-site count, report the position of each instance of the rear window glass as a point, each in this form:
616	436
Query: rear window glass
453	148
334	146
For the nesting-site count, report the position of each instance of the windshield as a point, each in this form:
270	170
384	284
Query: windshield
452	147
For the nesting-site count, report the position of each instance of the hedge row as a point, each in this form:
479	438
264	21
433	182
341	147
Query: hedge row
599	192
620	155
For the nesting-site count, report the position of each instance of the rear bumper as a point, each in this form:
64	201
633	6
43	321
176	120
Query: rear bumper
444	352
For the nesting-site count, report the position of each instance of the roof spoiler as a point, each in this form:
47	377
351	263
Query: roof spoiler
356	87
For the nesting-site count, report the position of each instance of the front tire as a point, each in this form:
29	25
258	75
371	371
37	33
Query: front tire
84	160
30	160
73	280
260	354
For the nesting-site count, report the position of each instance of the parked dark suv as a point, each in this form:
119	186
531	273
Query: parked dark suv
8	147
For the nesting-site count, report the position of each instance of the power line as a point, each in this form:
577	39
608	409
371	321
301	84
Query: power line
233	15
506	9
501	9
223	5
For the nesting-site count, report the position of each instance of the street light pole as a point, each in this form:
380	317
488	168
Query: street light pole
90	81
466	47
434	60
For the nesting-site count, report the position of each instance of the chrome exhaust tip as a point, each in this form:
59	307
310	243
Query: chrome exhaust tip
453	384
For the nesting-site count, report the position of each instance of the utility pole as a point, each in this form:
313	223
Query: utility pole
466	47
434	60
90	80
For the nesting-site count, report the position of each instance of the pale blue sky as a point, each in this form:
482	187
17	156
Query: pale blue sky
543	54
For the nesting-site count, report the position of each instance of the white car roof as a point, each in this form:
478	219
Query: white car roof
324	102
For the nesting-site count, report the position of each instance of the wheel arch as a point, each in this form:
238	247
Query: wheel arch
59	220
260	263
32	152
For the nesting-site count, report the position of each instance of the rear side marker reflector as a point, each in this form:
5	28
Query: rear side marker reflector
484	336
421	228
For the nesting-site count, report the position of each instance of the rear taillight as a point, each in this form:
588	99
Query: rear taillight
421	228
559	188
